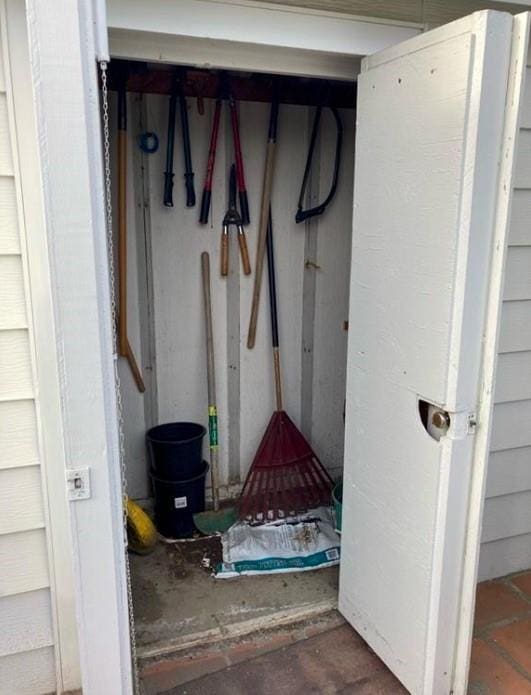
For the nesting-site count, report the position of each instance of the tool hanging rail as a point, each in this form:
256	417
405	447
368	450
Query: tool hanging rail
203	84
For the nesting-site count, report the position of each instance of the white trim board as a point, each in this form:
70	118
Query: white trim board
254	37
66	101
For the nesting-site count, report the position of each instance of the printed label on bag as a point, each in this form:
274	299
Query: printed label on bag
180	502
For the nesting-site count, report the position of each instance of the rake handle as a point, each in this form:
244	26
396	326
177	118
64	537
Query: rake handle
211	381
274	310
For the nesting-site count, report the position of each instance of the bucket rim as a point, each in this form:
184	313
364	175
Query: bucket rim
181	441
181	482
338	488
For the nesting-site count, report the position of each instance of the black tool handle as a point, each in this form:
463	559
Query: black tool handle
188	169
244	207
205	206
168	174
272	282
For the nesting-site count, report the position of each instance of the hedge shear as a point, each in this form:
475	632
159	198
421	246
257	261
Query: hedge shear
233	218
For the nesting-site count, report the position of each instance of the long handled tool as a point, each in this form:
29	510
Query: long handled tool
224	93
285	477
240	176
207	186
233	219
218	520
177	94
264	216
124	347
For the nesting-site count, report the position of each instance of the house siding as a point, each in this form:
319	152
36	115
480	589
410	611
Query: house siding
506	539
27	660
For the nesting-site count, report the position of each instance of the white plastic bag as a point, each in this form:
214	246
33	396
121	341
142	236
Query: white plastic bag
295	544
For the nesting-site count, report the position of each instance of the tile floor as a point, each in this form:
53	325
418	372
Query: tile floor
337	661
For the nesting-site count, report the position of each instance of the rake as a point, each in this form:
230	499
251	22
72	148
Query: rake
286	476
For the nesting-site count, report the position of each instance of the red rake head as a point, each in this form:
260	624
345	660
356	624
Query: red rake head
286	477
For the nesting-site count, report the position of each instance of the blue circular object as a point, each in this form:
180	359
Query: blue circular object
148	142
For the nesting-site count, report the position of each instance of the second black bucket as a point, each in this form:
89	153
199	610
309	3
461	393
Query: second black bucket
176	502
176	450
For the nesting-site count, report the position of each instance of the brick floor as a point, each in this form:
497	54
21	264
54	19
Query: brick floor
338	662
501	652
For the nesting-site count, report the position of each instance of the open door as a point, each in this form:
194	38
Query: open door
437	121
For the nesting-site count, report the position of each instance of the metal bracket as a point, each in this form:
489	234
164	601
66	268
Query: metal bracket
78	483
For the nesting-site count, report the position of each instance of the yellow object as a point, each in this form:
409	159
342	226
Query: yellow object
141	532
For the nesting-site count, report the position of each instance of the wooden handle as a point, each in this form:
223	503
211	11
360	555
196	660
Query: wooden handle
124	348
224	254
137	375
242	241
261	244
211	381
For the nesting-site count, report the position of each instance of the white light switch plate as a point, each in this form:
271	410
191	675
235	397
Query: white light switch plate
78	483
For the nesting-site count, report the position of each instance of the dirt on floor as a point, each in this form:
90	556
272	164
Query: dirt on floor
203	552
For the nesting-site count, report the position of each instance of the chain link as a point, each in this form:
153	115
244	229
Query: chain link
117	385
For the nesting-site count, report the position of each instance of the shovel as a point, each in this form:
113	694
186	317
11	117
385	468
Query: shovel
218	520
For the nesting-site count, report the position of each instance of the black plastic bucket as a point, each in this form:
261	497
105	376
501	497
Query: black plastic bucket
177	501
176	450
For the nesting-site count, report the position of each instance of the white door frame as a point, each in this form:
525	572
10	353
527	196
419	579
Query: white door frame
66	37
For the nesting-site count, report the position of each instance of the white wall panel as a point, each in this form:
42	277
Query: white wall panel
12	299
16	379
21	501
26	622
18	434
9	235
24	562
28	673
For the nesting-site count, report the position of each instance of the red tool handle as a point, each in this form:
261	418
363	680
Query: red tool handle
240	177
207	187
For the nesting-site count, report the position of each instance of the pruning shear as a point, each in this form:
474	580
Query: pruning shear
233	218
302	215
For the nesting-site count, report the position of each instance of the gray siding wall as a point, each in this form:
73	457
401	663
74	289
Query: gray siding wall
506	545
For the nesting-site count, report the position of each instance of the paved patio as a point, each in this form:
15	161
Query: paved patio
337	661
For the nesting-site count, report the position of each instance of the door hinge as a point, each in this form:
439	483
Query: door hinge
78	483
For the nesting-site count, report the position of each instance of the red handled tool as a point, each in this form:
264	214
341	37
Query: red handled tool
240	176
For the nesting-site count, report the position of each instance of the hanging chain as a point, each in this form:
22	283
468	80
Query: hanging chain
117	385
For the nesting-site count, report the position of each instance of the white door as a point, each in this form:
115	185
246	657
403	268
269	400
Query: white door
434	161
